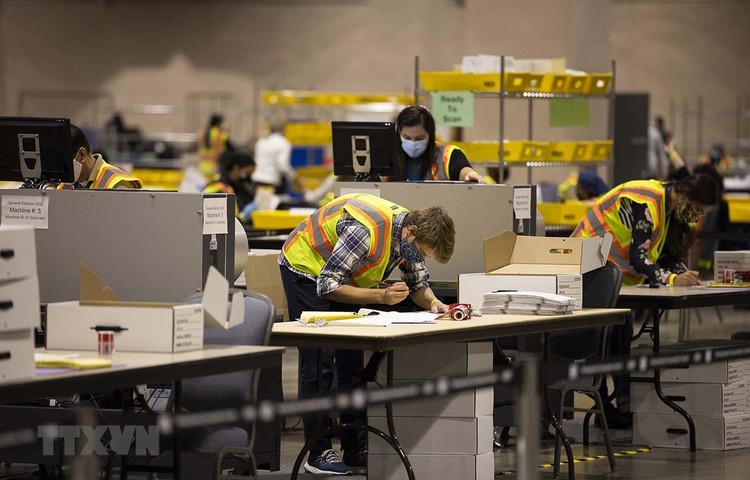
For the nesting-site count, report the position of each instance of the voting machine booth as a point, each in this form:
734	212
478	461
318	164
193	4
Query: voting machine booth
146	245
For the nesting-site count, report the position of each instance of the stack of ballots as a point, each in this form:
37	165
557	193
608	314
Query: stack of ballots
526	303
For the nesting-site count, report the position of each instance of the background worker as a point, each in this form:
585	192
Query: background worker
273	160
235	171
212	142
330	262
91	171
421	157
652	224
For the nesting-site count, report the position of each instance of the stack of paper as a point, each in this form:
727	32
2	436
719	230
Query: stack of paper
528	303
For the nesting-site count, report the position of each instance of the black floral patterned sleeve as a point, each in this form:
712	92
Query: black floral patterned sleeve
640	244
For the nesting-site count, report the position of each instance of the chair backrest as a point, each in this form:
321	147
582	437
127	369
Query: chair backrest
238	388
601	287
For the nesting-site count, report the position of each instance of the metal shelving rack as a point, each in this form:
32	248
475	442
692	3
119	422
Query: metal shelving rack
531	96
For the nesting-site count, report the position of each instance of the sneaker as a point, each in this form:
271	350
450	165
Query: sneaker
357	461
327	463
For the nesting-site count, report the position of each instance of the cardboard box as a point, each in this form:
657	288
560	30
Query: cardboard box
550	263
468	404
17	252
140	326
16	354
262	275
473	286
389	467
700	399
436	436
718	372
19	303
145	327
711	433
425	362
737	260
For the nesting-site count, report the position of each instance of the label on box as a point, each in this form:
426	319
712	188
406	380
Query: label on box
571	286
188	328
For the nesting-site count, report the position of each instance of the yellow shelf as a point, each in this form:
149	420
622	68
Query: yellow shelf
588	84
533	151
332	99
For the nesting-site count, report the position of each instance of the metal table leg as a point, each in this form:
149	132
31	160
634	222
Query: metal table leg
657	314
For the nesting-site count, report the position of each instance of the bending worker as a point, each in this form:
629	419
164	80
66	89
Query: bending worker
91	171
651	223
422	158
332	261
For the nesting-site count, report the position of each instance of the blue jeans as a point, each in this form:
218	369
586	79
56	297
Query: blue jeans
301	295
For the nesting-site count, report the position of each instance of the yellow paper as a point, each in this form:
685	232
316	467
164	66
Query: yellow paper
75	363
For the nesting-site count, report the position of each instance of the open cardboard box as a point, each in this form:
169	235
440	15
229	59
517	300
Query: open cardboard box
140	326
541	264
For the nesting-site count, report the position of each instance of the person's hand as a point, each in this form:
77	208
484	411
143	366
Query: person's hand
245	213
474	177
687	279
395	293
438	307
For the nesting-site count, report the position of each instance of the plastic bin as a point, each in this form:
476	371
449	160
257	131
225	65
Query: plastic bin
535	83
555	82
457	81
567	151
569	213
478	152
596	150
308	133
577	83
598	83
473	82
525	151
275	219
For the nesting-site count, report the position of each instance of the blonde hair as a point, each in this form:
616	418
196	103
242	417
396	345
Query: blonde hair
434	229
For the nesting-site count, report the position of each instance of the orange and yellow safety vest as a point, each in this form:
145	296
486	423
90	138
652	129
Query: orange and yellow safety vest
310	245
604	217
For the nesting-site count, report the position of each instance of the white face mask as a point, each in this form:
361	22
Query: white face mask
77	167
413	148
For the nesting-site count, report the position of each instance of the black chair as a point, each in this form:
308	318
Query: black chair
207	451
601	287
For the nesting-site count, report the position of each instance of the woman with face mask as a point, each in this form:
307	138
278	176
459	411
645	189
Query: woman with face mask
421	157
653	227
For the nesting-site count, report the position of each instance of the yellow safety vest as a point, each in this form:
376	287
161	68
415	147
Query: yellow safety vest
441	170
109	176
310	245
209	155
604	217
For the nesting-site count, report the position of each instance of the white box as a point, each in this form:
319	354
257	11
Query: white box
150	327
729	371
16	354
467	404
390	467
699	399
426	362
711	433
19	303
542	264
472	286
17	252
441	436
737	260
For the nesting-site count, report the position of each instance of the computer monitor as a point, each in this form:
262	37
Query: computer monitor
35	150
364	149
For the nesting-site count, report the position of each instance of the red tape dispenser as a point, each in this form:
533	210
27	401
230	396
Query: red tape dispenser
457	311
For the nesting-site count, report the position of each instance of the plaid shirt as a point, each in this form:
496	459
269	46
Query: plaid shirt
351	249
